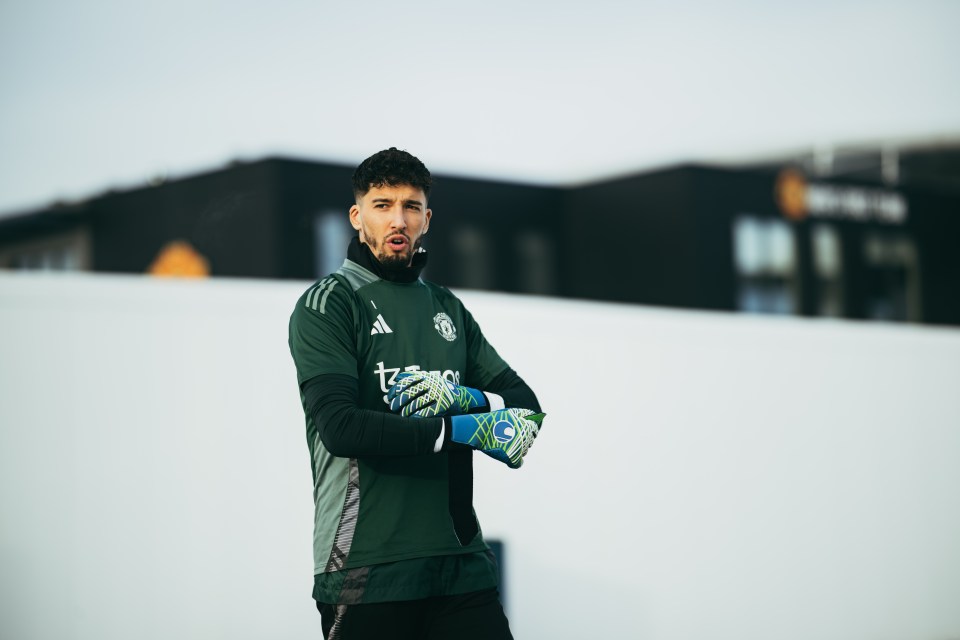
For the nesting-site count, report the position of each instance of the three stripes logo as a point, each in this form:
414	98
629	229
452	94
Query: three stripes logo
380	326
317	296
317	300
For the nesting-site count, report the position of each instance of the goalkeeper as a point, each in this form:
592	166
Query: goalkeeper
399	387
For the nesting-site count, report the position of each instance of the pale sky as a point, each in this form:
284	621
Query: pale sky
110	93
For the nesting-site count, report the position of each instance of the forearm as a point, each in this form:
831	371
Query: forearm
351	432
514	391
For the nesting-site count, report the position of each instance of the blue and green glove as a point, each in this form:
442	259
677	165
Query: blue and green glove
506	434
423	394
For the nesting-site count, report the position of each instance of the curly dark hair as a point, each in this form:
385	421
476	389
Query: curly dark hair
390	167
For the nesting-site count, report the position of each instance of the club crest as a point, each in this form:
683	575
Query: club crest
444	326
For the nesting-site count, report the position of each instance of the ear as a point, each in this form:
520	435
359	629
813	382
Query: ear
426	225
355	217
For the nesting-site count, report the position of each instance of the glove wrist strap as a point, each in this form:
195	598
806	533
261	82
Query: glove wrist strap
444	438
496	402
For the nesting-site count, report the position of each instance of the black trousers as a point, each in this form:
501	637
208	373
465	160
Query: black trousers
470	616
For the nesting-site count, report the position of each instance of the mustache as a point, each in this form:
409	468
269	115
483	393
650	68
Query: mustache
395	234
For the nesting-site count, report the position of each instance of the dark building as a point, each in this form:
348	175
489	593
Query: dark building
769	241
766	239
280	218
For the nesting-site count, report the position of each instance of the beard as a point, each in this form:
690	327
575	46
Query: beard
393	260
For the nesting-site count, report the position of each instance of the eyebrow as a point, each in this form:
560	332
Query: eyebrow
390	201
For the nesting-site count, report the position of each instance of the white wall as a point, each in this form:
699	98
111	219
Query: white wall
699	475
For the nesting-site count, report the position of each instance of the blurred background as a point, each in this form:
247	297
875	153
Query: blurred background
777	158
741	216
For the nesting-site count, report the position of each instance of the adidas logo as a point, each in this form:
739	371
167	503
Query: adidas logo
380	326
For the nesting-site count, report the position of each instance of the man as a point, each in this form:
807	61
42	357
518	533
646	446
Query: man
399	387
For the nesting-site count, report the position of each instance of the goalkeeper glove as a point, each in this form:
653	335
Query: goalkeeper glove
423	394
506	434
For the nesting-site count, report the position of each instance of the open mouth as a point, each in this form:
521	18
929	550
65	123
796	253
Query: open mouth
397	242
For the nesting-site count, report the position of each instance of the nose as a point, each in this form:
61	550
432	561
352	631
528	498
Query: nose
397	221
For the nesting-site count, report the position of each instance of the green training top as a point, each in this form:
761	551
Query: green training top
389	508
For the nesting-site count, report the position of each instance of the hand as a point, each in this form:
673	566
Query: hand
506	434
422	394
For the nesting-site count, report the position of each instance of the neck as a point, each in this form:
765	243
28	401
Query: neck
360	253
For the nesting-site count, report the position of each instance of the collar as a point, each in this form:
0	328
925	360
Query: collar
360	253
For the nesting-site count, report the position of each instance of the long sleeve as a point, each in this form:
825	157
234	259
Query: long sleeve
514	391
351	432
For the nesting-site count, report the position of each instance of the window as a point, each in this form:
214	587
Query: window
65	252
828	269
535	259
765	257
892	277
331	235
475	259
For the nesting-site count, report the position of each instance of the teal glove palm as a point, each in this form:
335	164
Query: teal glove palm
424	394
506	434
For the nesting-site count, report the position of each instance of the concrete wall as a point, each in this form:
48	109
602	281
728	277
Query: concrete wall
698	476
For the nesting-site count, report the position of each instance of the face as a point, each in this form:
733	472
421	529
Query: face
392	222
